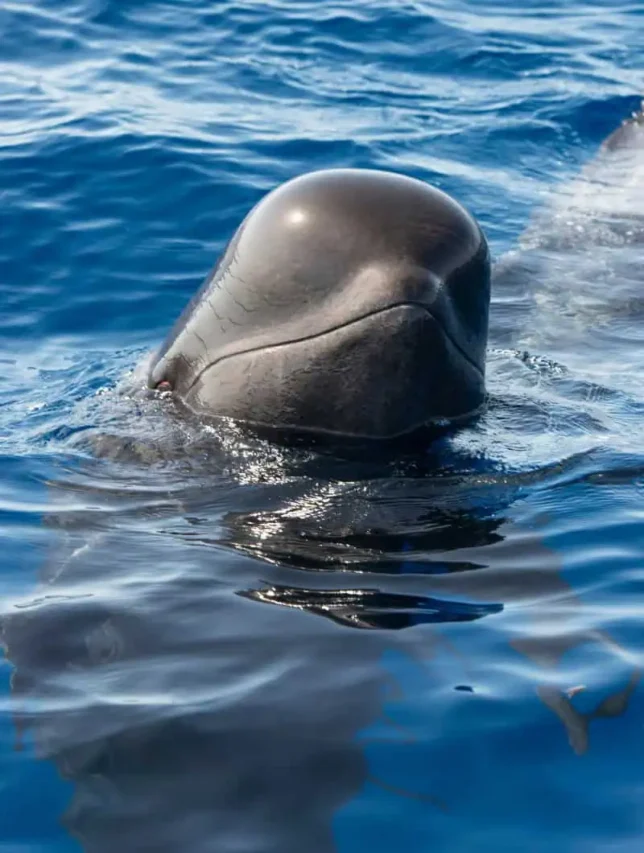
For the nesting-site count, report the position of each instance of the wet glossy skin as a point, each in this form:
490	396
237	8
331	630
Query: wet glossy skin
349	303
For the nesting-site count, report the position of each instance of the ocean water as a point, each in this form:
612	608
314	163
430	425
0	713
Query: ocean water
215	644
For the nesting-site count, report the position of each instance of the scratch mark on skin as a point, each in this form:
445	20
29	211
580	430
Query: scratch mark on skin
234	298
220	319
234	323
236	301
201	340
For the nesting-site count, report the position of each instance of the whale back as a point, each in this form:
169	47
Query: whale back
574	287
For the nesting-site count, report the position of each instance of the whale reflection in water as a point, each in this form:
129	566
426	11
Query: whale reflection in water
474	565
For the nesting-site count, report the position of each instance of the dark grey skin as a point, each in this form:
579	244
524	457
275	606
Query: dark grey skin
350	303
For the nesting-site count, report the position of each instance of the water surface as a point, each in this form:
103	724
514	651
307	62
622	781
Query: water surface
216	644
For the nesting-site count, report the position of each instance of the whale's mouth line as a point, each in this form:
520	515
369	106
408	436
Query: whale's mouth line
352	438
346	325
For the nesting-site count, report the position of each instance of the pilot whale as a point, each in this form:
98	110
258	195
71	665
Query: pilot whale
350	303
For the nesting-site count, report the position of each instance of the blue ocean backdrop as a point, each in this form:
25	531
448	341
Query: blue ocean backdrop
212	643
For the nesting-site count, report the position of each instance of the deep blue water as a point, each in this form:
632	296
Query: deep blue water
416	690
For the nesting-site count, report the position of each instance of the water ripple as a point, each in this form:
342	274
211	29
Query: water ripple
180	605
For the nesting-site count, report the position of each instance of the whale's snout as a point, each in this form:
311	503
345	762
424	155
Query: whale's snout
379	376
